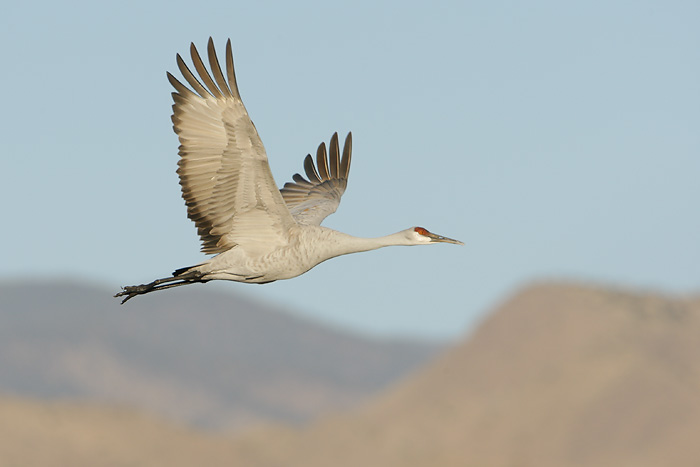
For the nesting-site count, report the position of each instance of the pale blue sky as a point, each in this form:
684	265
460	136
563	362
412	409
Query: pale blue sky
556	139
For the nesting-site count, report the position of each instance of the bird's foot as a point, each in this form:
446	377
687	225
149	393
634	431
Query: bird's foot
130	291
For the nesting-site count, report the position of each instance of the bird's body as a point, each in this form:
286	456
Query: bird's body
259	233
306	247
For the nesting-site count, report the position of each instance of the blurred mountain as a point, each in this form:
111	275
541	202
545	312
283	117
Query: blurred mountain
559	375
204	357
40	433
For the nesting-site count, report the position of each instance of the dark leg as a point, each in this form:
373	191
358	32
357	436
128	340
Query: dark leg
131	291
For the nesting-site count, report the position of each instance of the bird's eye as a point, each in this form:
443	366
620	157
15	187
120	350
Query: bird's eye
421	231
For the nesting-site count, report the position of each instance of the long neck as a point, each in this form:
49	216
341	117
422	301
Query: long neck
343	244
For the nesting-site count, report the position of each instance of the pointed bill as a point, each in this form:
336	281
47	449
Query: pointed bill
435	238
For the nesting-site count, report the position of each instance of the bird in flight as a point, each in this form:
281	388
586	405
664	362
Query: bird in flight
258	233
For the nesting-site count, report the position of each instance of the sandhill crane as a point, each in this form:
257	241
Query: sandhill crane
258	233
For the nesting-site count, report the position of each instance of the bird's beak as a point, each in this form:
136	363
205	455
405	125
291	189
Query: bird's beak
434	238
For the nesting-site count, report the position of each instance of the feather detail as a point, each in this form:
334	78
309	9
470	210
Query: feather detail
311	201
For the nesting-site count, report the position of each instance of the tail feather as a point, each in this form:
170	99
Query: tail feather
181	271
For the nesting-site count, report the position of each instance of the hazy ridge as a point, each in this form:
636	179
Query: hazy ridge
559	375
200	356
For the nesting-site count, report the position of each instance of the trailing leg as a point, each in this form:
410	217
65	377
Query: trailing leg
130	291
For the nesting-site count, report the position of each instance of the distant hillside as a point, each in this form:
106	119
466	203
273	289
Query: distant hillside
200	356
559	375
37	433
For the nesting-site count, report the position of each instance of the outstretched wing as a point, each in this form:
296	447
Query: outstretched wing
225	177
310	201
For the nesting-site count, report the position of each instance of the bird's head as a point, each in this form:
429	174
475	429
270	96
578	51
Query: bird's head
421	236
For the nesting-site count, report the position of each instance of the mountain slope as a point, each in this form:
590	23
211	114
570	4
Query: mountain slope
200	356
58	434
560	375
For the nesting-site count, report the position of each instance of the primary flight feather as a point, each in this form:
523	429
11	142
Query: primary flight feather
259	233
